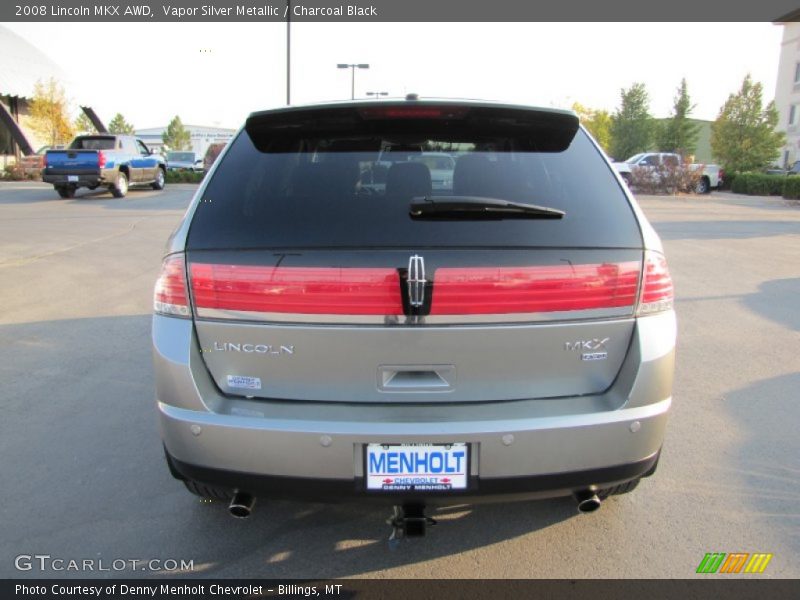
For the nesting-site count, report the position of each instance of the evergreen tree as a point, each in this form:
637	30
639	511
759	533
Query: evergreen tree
83	124
176	137
631	124
678	134
120	125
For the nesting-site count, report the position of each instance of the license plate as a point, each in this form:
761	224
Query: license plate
417	467
72	178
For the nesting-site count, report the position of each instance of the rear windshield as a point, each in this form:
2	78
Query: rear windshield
94	143
353	191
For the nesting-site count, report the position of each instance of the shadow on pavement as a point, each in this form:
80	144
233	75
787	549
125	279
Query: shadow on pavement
85	476
769	461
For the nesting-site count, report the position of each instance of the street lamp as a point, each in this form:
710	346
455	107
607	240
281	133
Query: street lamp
376	94
288	50
353	80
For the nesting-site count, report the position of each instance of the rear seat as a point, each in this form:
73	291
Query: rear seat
407	180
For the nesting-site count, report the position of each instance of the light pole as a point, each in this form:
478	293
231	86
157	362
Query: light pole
353	67
376	94
288	50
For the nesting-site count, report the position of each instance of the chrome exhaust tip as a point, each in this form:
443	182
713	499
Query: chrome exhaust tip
587	501
241	505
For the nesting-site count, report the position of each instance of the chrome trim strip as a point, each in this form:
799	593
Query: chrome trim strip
394	320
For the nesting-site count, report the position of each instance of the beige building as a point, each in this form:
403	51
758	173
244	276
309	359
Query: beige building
787	90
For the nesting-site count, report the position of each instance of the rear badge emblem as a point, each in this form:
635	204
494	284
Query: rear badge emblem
594	349
416	281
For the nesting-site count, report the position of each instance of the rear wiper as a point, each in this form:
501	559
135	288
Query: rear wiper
474	207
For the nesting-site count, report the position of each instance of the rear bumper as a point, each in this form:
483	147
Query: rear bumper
353	490
84	179
325	461
315	450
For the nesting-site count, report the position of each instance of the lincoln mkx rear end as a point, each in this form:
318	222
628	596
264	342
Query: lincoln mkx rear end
331	326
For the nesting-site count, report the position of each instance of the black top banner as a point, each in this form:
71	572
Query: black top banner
374	11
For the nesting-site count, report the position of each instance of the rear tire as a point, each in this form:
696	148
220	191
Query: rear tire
208	491
120	187
65	191
161	180
703	186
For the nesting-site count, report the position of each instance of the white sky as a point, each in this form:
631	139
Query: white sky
216	73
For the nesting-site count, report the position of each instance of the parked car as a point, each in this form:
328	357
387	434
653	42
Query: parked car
712	174
509	336
777	171
103	160
184	161
34	163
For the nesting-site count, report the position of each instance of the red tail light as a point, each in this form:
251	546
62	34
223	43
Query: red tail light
657	291
503	290
414	112
170	297
44	161
101	159
301	290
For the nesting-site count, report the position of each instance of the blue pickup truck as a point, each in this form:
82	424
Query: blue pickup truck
103	160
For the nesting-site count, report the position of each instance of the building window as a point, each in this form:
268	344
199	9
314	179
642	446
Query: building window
793	114
797	73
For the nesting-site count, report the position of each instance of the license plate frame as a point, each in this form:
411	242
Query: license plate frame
416	467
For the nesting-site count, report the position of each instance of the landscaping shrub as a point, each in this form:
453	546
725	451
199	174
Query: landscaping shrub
184	177
727	181
14	173
665	179
791	187
758	184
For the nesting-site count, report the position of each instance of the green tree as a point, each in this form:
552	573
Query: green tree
176	137
120	125
743	138
679	134
50	113
597	122
631	124
83	124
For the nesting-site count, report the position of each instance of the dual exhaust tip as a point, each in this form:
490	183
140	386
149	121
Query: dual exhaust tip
587	500
242	503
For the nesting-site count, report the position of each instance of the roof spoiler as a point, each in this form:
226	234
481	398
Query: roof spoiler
531	129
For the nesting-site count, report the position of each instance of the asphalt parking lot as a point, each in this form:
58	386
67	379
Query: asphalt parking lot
84	477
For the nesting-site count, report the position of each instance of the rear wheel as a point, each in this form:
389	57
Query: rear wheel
161	180
65	191
120	187
208	491
703	186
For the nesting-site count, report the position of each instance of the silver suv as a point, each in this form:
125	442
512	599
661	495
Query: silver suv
508	336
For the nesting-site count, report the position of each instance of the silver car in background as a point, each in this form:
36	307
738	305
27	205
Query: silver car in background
510	335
